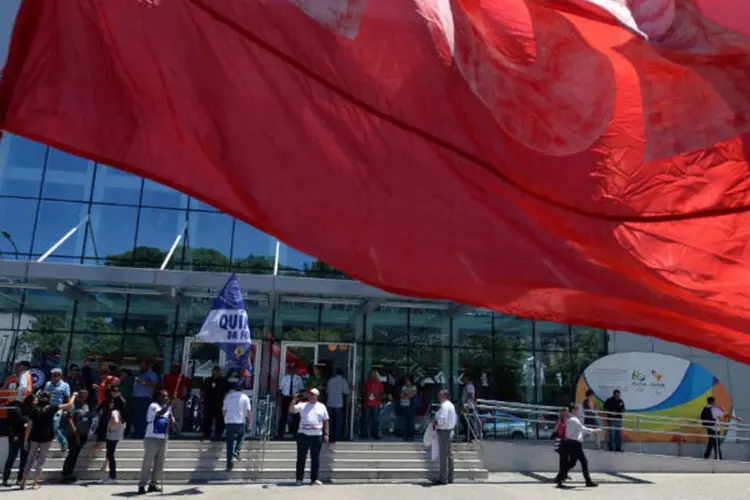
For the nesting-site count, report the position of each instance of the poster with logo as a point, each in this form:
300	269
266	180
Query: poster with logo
656	385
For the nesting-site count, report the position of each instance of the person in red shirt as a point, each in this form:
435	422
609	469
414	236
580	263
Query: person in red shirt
177	385
373	392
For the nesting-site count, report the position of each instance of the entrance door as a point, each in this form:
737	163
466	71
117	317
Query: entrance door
199	359
329	357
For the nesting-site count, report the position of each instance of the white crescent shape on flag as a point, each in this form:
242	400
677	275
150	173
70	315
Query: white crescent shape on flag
340	16
649	18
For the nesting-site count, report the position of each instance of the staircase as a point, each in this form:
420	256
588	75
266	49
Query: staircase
274	462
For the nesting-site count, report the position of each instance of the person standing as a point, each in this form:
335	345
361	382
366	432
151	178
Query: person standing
115	434
237	413
590	416
79	425
59	392
712	417
468	405
143	391
317	381
25	385
18	422
158	419
559	434
445	423
373	391
177	386
74	380
40	434
290	384
313	432
408	409
214	390
573	447
127	385
614	408
336	388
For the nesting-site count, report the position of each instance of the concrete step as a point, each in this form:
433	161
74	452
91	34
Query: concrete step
289	454
291	445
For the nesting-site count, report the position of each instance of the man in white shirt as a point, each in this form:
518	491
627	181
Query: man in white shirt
468	400
713	427
158	419
336	389
313	432
572	445
445	423
290	384
237	416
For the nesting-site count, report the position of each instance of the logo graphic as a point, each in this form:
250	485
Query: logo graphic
657	376
638	376
37	378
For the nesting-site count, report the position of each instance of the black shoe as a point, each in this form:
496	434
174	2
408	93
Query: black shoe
561	486
6	484
154	489
141	490
591	484
229	468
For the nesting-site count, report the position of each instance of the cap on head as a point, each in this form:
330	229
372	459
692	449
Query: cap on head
314	391
56	371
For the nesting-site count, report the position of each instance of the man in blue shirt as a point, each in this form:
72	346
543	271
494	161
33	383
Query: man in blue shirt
143	391
59	392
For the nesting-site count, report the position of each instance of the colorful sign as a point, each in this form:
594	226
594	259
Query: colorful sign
657	385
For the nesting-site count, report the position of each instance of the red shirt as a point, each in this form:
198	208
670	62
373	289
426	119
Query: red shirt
373	393
101	393
175	385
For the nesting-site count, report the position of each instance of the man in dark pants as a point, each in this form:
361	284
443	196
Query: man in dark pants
313	432
214	390
712	417
79	424
290	384
614	408
18	420
572	446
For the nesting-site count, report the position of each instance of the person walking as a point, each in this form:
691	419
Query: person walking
712	417
177	386
444	424
468	406
336	388
59	392
74	380
237	417
40	434
158	419
214	389
408	409
79	425
573	447
614	408
143	391
18	422
313	432
290	384
115	434
590	415
559	434
373	391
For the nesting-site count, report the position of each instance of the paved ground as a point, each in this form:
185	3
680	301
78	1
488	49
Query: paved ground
505	486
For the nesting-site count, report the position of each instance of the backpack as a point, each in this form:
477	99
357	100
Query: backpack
707	417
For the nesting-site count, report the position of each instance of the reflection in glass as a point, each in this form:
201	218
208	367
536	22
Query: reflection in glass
387	325
254	251
93	350
158	195
16	227
157	230
209	239
101	313
68	177
512	332
429	326
149	315
298	320
46	327
156	350
551	336
113	229
56	218
116	186
196	204
588	340
514	376
295	263
339	322
21	166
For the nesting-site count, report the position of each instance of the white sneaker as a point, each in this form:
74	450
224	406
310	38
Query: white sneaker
317	483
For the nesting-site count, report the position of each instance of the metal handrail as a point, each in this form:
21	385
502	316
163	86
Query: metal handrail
471	412
544	410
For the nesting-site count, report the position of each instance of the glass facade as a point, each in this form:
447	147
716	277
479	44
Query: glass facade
134	222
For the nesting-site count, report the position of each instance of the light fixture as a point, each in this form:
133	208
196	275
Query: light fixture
332	347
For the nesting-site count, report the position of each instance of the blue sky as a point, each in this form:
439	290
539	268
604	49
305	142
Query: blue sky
8	9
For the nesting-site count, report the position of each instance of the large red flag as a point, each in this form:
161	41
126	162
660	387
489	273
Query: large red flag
581	161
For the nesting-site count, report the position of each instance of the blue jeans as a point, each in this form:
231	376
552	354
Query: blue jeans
615	434
59	430
372	423
235	438
408	415
337	419
140	409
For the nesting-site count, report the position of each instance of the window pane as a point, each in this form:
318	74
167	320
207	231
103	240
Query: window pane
476	364
158	195
210	241
297	320
157	351
21	166
554	372
429	326
116	186
387	325
16	227
513	376
295	263
254	251
113	229
101	314
588	340
68	177
339	322
512	332
56	218
199	205
91	351
157	231
473	329
150	315
48	320
551	336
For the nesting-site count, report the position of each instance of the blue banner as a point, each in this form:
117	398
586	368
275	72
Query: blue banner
227	326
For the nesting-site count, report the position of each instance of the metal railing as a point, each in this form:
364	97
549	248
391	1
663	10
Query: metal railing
639	426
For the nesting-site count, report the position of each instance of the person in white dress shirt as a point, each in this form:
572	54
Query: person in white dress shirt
573	446
290	385
445	423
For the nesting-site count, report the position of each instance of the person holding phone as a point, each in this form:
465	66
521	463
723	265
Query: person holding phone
158	419
313	432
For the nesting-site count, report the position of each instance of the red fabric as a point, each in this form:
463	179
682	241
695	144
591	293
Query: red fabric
536	158
373	393
170	383
103	388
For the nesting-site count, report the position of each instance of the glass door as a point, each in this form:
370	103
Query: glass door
333	357
300	356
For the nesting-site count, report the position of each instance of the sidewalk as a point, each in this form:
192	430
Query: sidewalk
506	486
